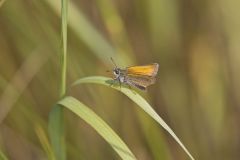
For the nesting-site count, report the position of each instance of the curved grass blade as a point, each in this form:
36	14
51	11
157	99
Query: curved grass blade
99	125
135	97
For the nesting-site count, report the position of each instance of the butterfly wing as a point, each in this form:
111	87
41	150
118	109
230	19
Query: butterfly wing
145	70
141	76
140	82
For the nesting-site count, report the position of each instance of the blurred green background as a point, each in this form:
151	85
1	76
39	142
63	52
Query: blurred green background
196	44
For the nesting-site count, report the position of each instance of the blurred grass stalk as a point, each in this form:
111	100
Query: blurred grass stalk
44	141
1	2
2	156
117	30
19	83
56	119
87	33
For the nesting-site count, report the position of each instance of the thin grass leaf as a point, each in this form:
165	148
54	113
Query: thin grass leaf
56	132
64	47
99	125
135	97
44	141
56	121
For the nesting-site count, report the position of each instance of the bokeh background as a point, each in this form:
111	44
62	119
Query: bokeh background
196	44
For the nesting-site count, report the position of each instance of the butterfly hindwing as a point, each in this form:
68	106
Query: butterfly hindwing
140	82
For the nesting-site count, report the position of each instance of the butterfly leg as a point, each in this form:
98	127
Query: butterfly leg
120	84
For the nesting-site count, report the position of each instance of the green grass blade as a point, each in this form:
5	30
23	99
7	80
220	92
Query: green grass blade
141	102
64	47
56	132
99	125
56	125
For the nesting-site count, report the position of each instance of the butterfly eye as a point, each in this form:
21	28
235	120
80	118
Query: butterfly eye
116	72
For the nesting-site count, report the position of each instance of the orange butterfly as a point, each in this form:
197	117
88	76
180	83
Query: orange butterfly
137	76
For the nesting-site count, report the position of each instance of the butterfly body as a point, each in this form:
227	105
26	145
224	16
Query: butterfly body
138	76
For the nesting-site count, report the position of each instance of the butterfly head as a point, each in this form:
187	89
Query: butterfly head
116	72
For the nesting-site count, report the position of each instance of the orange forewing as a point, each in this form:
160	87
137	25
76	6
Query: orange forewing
146	70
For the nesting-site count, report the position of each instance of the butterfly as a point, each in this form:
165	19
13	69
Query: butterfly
137	76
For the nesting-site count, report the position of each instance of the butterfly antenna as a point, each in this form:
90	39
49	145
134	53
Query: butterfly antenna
113	62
